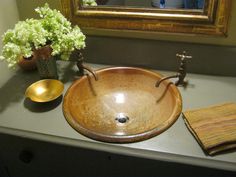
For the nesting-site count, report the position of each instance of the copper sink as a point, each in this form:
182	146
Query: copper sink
122	106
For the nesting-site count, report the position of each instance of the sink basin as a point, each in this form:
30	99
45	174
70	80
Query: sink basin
122	106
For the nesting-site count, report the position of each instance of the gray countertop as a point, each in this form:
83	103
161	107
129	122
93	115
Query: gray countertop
21	117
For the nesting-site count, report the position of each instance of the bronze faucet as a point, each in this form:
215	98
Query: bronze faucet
181	73
82	67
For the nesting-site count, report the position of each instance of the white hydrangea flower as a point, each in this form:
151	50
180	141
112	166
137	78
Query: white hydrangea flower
52	29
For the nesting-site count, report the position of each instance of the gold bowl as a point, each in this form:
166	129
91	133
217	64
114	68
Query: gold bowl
44	90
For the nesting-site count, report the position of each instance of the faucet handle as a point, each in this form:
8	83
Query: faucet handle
184	56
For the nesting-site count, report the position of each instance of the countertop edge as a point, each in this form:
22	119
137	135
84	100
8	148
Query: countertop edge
142	153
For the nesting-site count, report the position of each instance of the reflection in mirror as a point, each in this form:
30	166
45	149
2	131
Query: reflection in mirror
168	4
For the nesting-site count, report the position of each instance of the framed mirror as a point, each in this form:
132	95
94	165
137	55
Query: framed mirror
203	17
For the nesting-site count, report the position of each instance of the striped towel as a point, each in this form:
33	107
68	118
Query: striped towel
214	127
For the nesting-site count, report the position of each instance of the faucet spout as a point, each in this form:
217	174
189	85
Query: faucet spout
82	67
165	78
181	73
91	71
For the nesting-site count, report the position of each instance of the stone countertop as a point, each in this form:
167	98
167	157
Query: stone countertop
45	122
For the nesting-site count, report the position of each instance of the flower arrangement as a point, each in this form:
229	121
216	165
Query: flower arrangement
51	29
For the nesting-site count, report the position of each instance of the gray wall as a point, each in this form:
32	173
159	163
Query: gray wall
207	59
7	21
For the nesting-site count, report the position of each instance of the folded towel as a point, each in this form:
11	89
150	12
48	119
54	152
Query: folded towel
214	127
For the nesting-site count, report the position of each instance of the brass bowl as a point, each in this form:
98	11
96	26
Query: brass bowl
44	90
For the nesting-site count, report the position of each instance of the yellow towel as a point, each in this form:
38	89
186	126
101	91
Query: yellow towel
214	127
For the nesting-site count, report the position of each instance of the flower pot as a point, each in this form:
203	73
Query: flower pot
46	63
27	64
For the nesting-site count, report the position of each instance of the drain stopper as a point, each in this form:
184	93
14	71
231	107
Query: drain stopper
121	118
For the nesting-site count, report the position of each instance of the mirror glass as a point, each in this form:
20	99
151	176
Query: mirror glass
162	4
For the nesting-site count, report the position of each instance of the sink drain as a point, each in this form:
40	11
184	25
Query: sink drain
121	118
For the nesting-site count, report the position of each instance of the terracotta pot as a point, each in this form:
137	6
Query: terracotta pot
27	64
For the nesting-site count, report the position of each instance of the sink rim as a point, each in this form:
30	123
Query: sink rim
125	138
